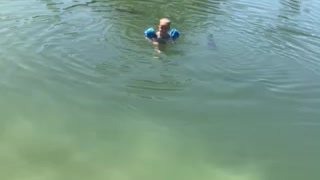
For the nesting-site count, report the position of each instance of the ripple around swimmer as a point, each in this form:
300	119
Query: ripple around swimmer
160	83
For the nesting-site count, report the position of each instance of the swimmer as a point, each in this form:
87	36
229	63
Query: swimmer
164	33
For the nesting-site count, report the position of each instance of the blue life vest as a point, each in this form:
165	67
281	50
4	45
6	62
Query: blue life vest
150	33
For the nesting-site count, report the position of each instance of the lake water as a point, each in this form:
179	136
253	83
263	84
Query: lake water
84	96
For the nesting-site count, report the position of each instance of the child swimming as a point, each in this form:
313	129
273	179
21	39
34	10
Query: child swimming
164	33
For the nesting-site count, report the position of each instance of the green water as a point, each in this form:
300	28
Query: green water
84	96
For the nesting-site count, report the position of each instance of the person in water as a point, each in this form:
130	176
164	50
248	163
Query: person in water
164	34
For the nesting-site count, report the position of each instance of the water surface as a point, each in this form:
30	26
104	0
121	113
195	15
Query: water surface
85	96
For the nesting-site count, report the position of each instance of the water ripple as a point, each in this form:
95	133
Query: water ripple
76	62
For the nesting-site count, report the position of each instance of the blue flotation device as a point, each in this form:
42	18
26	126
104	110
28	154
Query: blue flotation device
150	33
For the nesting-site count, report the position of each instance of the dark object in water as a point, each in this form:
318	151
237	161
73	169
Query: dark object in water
211	44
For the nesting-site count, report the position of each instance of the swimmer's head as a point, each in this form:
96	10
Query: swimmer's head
164	25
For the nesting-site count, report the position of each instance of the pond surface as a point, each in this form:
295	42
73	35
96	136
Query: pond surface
83	95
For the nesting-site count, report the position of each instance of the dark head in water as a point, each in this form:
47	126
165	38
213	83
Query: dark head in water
211	44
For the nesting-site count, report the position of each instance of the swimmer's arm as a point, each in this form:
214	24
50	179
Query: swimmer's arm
156	45
172	41
154	41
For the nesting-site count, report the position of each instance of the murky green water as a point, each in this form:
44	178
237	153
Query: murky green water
84	96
